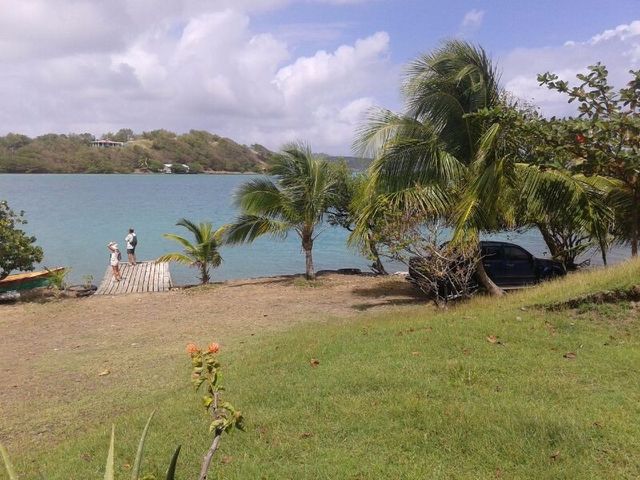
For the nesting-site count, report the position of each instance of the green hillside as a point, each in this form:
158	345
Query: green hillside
148	152
357	164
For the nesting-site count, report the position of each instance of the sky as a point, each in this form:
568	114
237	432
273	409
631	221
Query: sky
276	71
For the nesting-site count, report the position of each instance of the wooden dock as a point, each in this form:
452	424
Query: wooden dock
143	277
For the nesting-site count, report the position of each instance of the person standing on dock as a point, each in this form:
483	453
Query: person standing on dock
132	241
114	260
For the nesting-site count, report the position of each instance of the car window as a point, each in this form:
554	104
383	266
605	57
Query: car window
515	253
491	253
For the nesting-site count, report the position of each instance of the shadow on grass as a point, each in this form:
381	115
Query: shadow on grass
389	288
282	280
363	307
391	292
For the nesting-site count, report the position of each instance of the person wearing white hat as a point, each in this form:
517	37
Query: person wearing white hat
114	260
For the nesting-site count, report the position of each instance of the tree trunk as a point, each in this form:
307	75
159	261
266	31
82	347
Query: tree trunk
307	246
206	461
548	239
377	266
204	275
486	282
635	224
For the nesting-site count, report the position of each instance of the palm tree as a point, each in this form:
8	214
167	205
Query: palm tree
447	158
351	199
423	159
201	254
295	199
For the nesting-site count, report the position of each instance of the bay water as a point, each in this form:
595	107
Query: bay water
74	217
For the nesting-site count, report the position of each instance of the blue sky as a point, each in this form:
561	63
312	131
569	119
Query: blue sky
419	25
273	71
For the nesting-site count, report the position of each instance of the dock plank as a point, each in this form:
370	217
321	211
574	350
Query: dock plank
136	287
167	277
157	282
152	278
127	273
140	280
143	277
105	282
163	274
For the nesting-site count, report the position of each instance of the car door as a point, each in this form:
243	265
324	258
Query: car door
518	266
492	261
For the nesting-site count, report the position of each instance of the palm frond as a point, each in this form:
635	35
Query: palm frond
247	228
181	240
197	230
177	257
261	196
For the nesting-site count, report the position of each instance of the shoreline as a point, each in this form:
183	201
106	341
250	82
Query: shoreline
290	276
212	172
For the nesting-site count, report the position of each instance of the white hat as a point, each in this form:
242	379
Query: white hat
113	244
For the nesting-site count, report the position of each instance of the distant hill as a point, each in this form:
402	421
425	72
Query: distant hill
147	152
355	163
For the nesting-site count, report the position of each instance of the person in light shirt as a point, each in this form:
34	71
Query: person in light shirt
132	241
114	260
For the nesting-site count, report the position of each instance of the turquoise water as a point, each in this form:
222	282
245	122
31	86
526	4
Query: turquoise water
75	216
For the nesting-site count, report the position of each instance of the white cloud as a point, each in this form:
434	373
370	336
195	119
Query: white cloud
181	64
617	48
332	71
472	20
622	32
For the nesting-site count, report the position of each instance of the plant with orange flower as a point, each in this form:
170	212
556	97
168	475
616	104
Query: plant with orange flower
206	376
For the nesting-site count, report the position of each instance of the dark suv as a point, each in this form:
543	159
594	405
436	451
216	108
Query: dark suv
510	265
507	264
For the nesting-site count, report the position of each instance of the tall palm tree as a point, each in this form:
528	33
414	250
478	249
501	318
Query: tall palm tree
201	254
295	198
423	158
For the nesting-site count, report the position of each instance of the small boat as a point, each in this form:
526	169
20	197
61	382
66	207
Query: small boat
27	281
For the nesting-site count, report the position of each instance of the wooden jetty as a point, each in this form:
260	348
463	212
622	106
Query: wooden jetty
139	278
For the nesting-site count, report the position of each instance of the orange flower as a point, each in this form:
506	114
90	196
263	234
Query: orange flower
213	347
192	348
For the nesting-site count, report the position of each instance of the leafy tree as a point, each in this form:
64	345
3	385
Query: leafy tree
296	199
434	154
14	141
350	198
123	135
201	254
605	140
452	158
17	249
179	168
546	178
195	168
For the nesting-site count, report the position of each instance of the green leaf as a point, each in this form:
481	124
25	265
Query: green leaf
7	463
172	466
135	472
109	473
217	424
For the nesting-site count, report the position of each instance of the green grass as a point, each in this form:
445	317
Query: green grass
404	395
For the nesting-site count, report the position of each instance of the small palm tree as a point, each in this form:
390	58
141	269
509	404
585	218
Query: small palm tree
202	254
296	199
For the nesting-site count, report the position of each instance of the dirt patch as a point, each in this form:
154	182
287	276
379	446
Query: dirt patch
52	354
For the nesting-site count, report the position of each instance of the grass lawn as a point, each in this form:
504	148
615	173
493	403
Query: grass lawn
482	390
